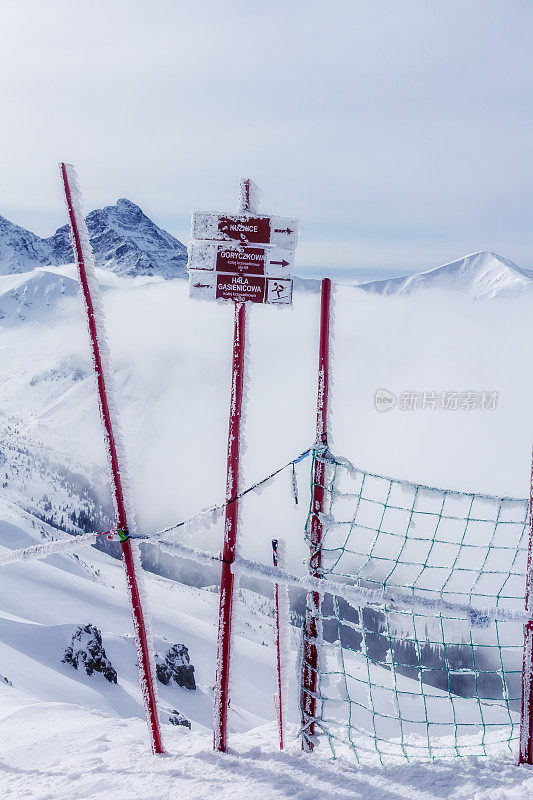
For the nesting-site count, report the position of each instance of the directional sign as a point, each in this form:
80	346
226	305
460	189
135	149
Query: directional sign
209	285
234	258
245	228
240	287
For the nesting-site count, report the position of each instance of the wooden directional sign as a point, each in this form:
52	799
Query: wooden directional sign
233	258
245	228
210	285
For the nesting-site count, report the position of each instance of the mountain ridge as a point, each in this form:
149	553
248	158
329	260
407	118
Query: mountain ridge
483	274
127	243
123	238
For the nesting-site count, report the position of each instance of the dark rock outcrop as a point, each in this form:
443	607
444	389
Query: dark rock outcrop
87	650
177	718
176	665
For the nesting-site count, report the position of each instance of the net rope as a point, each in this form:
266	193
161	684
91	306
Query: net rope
403	683
422	612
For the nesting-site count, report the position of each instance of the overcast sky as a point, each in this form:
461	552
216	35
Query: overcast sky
398	131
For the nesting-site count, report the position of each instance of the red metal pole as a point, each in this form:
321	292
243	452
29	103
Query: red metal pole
232	510
230	533
279	699
525	755
312	614
146	677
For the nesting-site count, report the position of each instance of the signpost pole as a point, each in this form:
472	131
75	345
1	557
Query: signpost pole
243	257
227	579
312	614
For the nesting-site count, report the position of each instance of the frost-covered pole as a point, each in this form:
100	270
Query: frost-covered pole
525	755
247	204
312	612
130	553
281	605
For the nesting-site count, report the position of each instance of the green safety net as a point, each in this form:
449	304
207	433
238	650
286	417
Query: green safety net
416	683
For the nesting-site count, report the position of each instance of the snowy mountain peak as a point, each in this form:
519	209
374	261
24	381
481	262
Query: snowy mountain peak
123	202
483	274
33	295
124	241
20	250
127	242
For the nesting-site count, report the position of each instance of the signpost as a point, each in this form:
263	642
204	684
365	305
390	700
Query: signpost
239	259
247	228
223	286
237	272
255	266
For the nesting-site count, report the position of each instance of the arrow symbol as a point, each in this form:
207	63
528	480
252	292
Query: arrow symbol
281	263
282	230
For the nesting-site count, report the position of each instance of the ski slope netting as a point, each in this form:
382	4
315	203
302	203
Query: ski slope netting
421	619
420	682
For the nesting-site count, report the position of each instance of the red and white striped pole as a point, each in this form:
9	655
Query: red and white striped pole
525	755
83	257
227	580
312	612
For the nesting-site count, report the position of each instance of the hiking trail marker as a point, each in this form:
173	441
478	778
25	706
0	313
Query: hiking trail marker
238	259
252	262
247	228
243	257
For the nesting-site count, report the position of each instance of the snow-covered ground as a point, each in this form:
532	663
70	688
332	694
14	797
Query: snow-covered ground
68	735
42	603
55	751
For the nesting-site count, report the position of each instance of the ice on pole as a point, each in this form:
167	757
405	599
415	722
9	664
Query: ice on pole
125	520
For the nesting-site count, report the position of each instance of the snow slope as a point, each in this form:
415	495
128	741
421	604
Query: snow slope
68	735
42	602
33	295
481	275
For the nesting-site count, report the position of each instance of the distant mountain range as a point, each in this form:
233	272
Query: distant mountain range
127	243
481	275
123	238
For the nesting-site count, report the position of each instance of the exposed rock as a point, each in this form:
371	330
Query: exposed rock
176	666
177	718
88	650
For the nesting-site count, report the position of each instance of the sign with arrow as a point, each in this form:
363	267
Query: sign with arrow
233	258
245	228
210	285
